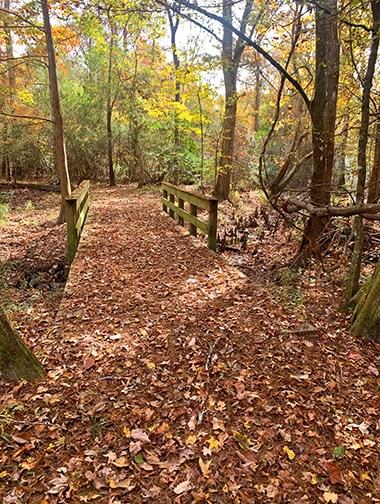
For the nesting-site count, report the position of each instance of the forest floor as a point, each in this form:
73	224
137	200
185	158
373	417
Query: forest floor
174	377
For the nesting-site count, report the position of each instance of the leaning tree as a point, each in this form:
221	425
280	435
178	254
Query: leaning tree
17	361
366	315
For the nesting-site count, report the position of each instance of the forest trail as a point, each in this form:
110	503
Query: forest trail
171	378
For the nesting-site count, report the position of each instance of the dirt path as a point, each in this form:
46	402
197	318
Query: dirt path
172	379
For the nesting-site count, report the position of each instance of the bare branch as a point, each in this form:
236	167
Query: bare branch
31	118
294	205
250	43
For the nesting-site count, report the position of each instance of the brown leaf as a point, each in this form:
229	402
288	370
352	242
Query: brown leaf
140	435
185	486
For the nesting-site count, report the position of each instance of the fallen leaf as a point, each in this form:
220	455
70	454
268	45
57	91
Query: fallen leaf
205	467
213	443
330	497
185	486
354	355
140	435
127	432
191	439
121	462
290	453
89	363
339	451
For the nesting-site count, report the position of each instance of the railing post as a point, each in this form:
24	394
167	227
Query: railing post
72	238
171	212
165	195
193	211
212	224
181	205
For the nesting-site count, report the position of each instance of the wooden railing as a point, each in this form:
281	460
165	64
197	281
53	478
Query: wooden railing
171	193
77	206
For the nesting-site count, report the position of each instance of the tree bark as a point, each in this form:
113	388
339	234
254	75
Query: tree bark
323	118
374	182
367	313
59	137
9	172
111	170
323	105
174	23
356	260
17	362
340	175
231	60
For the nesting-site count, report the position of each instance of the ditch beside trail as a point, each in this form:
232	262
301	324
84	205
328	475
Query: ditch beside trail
173	378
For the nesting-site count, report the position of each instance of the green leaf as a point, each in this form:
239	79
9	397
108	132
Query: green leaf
139	459
339	451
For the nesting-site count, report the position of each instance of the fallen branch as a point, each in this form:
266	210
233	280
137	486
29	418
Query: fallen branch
295	205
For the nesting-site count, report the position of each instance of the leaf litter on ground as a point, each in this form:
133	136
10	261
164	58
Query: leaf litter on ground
206	394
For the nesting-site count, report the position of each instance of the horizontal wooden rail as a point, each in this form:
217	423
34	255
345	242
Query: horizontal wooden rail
171	192
77	206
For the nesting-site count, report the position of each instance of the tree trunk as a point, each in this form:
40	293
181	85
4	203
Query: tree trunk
374	183
231	60
222	189
111	170
340	174
367	312
17	362
323	118
323	105
174	23
9	172
59	138
354	274
257	91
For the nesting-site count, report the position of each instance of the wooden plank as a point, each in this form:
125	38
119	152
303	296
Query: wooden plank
181	205
171	211
193	211
82	203
164	197
71	231
77	206
196	199
188	217
82	218
79	193
212	224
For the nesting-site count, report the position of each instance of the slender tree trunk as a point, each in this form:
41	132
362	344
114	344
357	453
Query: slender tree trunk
354	274
256	115
10	171
202	135
230	67
374	183
59	137
231	57
174	23
111	170
17	362
341	158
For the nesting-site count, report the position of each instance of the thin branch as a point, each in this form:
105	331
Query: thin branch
16	58
25	20
31	118
250	43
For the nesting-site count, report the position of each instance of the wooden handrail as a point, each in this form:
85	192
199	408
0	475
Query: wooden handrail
170	192
77	206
